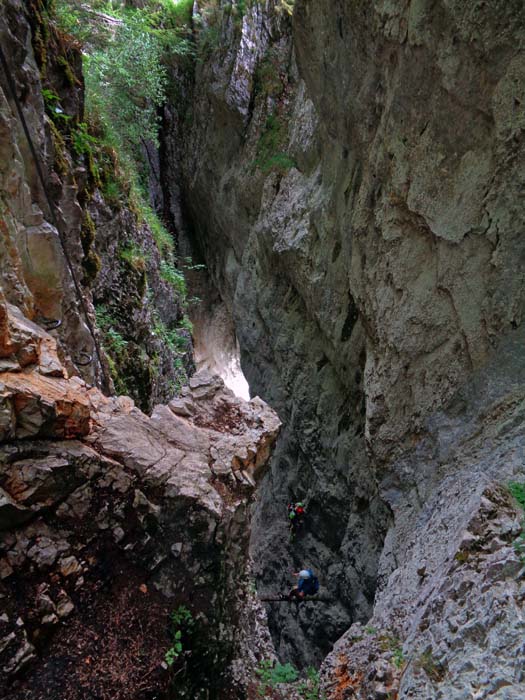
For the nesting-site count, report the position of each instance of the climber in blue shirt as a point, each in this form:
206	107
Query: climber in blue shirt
308	584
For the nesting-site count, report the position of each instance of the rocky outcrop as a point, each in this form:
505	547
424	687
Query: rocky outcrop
110	521
360	163
351	174
92	260
451	576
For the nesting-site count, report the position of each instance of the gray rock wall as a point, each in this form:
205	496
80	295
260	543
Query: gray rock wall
353	175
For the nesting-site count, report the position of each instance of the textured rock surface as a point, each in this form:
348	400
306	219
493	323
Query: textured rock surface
352	176
372	273
112	532
132	299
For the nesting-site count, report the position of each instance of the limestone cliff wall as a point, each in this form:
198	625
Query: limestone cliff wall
110	521
113	256
353	176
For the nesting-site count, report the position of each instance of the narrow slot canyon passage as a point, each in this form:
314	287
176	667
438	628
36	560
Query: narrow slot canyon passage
317	205
215	345
346	523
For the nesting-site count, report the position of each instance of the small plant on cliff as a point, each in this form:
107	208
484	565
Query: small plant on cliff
430	666
393	644
173	277
270	154
134	256
181	626
517	490
107	323
271	674
82	141
310	689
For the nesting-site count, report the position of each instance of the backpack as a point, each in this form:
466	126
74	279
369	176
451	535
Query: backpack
312	585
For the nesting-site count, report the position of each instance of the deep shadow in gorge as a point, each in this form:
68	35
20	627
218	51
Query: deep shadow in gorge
364	289
320	458
311	375
351	175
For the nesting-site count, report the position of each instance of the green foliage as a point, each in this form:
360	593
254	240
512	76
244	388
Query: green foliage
53	108
111	190
108	324
161	235
270	156
271	675
134	256
310	689
124	65
60	164
91	261
82	141
186	324
116	341
397	656
267	78
180	12
125	85
177	339
173	277
517	490
181	626
393	644
68	71
189	265
73	18
181	616
115	346
51	99
462	556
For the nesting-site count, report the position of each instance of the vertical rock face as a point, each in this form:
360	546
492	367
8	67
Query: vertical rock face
92	251
361	165
111	520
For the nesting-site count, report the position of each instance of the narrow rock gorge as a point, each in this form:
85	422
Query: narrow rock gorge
332	190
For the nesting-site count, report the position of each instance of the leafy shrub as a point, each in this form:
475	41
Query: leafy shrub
180	12
517	490
173	277
81	140
181	626
271	675
177	339
125	84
